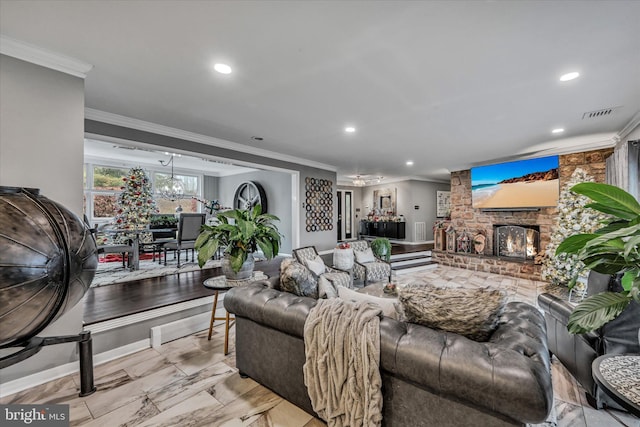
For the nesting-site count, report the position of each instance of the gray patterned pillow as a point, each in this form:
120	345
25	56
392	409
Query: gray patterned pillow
297	279
473	313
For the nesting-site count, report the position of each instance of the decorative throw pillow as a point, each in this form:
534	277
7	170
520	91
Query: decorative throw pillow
297	279
473	313
326	288
316	265
386	304
364	256
286	263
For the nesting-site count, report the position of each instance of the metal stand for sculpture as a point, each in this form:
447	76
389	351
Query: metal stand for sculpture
85	350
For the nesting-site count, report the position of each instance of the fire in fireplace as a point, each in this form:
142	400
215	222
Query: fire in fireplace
516	241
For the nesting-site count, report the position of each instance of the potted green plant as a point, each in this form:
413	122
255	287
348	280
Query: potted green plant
381	248
163	221
248	231
613	249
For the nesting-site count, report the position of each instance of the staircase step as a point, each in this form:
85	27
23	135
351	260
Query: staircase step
403	269
409	262
407	248
411	256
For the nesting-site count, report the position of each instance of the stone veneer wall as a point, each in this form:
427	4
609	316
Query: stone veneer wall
464	217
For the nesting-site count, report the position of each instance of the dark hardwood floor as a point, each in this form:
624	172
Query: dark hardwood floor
110	302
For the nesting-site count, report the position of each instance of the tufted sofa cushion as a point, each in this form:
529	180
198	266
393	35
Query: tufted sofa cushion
278	310
512	367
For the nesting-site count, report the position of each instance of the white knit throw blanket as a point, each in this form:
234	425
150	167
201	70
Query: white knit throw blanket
342	368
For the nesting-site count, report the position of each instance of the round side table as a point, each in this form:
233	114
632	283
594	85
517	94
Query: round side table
619	377
218	284
222	284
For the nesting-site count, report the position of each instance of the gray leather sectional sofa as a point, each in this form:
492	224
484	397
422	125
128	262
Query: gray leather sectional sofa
577	352
429	377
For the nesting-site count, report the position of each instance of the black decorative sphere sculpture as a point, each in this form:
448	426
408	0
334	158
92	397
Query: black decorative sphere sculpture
47	261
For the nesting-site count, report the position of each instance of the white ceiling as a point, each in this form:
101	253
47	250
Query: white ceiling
129	155
445	84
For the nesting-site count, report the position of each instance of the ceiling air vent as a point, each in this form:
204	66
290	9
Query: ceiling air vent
599	113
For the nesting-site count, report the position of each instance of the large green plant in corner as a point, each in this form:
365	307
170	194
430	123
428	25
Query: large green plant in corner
381	247
249	230
612	249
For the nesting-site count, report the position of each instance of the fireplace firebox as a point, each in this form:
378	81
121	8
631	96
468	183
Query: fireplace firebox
516	241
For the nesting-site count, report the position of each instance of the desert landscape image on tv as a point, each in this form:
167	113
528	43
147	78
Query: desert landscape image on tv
527	183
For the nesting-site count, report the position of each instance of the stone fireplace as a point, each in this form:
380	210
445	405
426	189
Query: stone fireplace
516	242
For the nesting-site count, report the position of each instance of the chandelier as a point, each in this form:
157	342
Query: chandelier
358	181
173	188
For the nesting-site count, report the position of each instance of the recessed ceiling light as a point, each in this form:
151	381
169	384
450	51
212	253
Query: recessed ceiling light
410	163
222	68
349	129
569	76
557	130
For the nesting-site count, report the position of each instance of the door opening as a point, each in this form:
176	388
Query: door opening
345	215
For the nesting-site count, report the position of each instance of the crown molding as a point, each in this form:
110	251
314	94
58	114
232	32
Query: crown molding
571	145
578	145
348	182
43	57
128	122
630	127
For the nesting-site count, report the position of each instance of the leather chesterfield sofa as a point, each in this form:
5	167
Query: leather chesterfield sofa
577	352
429	377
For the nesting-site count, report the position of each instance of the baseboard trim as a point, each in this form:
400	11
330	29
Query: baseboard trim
181	328
20	384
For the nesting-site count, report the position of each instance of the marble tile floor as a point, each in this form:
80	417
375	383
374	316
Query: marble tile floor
189	382
516	289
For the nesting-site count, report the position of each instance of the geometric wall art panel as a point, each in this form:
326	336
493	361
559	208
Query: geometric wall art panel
319	204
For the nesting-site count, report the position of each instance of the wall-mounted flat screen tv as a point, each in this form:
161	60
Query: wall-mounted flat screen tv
531	183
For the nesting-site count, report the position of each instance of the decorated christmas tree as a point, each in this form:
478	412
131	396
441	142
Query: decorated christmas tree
135	202
573	218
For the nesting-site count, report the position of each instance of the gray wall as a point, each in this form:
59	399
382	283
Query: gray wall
277	186
410	193
322	240
41	146
210	187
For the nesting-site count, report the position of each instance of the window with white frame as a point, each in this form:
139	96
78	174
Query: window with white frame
103	184
192	185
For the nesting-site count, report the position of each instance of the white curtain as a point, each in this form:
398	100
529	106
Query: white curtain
623	167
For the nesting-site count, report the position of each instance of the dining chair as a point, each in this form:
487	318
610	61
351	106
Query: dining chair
126	250
189	227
